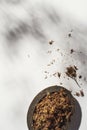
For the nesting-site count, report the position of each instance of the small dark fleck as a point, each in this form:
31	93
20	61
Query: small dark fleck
82	93
61	83
51	42
71	51
80	76
77	94
45	71
69	35
54	74
59	74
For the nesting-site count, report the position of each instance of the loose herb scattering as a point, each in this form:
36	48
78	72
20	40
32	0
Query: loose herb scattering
54	111
71	71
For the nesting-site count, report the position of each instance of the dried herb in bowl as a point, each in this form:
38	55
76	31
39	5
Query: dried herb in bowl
52	109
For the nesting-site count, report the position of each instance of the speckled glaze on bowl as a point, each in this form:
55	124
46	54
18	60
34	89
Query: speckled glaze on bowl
74	124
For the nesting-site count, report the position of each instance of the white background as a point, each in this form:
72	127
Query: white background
25	30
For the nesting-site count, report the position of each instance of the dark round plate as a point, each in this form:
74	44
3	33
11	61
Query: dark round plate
75	119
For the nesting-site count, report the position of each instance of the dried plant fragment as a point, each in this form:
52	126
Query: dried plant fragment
71	72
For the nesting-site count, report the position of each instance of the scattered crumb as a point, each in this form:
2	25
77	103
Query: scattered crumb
80	76
82	93
69	35
46	72
59	74
71	51
51	42
61	83
54	74
51	63
77	94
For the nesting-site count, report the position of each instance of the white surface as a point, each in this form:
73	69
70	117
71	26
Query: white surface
24	56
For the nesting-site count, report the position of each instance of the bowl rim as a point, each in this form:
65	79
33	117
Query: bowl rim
38	97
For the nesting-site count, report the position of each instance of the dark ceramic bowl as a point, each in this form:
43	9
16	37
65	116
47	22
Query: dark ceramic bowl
75	119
